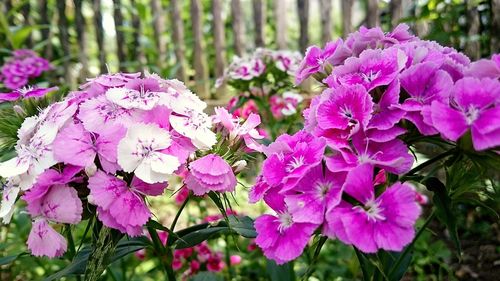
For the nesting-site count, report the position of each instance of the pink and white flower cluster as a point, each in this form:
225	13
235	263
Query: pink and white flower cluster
23	66
379	89
259	63
112	143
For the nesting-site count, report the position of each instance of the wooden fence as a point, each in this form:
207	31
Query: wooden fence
75	27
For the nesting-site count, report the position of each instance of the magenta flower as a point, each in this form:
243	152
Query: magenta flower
484	68
26	92
120	206
291	157
424	84
307	201
210	173
317	59
258	190
391	155
237	130
75	146
280	238
384	222
386	112
373	68
43	240
473	105
346	109
53	199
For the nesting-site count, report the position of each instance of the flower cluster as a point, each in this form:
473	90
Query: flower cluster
380	89
111	144
264	83
199	258
259	64
23	66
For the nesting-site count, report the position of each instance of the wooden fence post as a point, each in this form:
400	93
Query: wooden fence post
346	17
25	11
326	20
372	16
136	51
396	11
200	67
280	14
64	38
472	46
81	38
259	17
120	37
178	40
238	27
495	26
99	34
158	29
303	10
45	32
219	44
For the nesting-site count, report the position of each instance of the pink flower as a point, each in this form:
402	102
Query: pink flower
307	201
280	238
372	69
384	222
291	157
74	145
210	173
236	130
424	83
473	105
26	92
120	206
45	241
235	259
215	263
484	68
391	155
285	105
258	190
182	195
317	59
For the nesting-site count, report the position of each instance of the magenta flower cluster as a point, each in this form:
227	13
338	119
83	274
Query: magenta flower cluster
118	139
331	177
23	66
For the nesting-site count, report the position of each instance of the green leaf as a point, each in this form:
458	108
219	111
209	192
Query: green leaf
79	263
388	260
443	204
280	272
206	276
10	259
243	226
196	237
156	225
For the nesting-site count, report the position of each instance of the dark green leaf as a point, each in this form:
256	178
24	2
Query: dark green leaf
156	225
443	204
280	272
9	259
243	226
198	236
206	276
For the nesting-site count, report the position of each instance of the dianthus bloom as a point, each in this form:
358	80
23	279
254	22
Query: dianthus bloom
118	139
210	173
24	65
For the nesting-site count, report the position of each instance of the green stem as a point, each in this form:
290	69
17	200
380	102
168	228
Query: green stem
315	257
71	245
428	163
172	226
409	247
362	264
164	254
103	249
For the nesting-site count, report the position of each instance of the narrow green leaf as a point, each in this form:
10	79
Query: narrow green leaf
243	226
10	259
443	204
198	236
280	272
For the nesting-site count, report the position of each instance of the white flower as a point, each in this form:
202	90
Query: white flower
196	126
140	152
181	100
130	98
291	100
9	196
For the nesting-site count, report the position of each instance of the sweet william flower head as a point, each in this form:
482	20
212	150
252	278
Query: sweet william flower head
141	152
43	240
210	173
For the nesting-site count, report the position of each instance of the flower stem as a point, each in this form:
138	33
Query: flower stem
315	257
174	222
103	249
428	163
409	247
164	254
71	245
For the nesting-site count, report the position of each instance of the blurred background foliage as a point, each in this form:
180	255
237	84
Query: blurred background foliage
83	38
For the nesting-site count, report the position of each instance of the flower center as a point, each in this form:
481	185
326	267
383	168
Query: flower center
373	210
370	76
285	221
471	114
295	163
322	188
